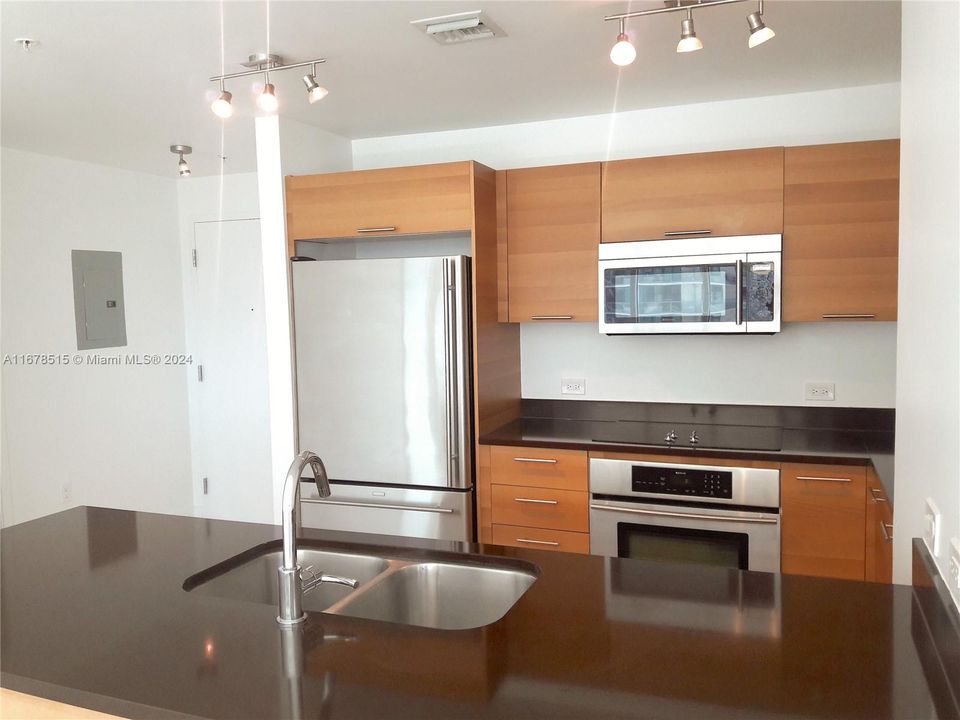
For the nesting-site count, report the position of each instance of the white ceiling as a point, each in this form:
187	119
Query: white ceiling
117	82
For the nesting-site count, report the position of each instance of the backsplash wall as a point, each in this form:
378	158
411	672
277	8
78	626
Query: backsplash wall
860	358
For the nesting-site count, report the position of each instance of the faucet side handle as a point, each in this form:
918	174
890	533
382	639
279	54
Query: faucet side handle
312	578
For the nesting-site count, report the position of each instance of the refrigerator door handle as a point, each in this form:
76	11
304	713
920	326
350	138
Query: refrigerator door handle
455	326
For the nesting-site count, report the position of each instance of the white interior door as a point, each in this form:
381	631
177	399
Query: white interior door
230	400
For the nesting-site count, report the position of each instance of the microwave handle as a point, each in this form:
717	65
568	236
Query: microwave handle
739	292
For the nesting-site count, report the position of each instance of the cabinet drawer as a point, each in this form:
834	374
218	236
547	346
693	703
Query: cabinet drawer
823	516
539	539
540	508
539	467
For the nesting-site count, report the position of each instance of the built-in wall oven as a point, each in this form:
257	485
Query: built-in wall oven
704	514
692	285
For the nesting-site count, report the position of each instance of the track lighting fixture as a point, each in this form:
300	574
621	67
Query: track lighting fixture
759	32
182	165
222	106
623	52
314	91
264	64
689	41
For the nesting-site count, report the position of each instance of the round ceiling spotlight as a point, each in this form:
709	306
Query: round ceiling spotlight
314	90
267	99
623	52
759	32
182	165
222	106
689	42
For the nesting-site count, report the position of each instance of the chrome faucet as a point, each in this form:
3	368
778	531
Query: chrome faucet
292	585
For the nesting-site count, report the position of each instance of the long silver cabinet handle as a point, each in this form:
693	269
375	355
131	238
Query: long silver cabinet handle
848	316
545	461
739	292
534	501
877	495
551	317
822	479
691	516
885	530
538	542
380	506
681	233
376	229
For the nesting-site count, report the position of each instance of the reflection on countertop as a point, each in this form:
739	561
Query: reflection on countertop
592	637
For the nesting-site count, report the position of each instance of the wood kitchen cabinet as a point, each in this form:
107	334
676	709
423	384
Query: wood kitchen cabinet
391	201
823	520
840	231
533	497
737	192
553	232
878	532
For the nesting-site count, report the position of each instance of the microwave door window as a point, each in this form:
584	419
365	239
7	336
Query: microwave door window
671	294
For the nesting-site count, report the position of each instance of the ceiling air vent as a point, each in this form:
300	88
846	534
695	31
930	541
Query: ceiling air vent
459	27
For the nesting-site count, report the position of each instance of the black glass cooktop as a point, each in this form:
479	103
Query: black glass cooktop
714	437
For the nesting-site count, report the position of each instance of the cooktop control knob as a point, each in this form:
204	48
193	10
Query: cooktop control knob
671	437
694	438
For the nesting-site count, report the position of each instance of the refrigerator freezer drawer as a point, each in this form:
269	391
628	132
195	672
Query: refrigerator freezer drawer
437	514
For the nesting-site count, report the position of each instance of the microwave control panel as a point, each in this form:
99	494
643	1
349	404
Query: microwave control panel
683	482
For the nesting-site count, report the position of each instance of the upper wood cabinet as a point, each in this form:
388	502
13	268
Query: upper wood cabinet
393	201
738	192
822	515
553	232
841	229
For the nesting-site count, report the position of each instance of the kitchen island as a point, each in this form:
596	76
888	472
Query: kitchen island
95	614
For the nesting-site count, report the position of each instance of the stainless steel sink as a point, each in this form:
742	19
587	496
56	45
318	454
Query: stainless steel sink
443	595
255	580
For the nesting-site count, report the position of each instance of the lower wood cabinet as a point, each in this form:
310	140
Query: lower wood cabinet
878	535
533	497
823	520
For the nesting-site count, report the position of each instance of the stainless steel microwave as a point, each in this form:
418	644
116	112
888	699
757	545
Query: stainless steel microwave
697	285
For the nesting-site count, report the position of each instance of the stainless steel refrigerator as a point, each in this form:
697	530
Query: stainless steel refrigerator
383	394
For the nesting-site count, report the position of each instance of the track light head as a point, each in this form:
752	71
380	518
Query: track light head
222	106
689	42
267	100
314	91
180	150
759	32
623	52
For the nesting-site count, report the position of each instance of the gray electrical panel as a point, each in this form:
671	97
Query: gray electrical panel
98	299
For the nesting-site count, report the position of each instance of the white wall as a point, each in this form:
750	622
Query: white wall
928	372
752	370
858	357
117	435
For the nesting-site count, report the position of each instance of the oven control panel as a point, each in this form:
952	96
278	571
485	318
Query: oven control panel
683	481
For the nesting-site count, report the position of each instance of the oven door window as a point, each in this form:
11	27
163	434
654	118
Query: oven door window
679	545
671	294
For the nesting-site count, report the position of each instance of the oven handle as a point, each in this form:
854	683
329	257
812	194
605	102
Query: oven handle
689	516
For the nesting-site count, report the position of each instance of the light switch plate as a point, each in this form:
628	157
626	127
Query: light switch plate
955	563
573	386
820	391
931	527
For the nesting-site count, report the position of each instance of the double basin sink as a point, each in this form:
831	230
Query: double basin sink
443	591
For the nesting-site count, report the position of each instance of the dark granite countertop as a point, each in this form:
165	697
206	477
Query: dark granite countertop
845	437
94	614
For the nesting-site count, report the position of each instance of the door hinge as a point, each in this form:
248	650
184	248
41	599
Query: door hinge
193	255
199	373
206	486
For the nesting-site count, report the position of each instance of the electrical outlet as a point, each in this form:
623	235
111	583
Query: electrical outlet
931	527
573	386
955	562
822	391
66	492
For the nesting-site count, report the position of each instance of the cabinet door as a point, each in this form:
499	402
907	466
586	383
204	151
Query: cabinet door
823	520
553	232
393	201
738	192
878	535
841	229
